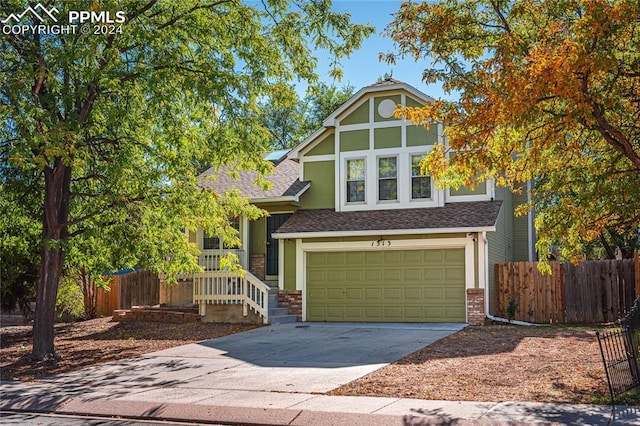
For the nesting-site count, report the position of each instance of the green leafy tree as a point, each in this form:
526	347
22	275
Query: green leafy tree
291	119
321	100
112	128
548	92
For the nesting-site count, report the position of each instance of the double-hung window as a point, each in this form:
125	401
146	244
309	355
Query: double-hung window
387	178
355	180
420	184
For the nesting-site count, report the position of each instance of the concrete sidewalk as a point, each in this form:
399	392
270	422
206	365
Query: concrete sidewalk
277	375
278	408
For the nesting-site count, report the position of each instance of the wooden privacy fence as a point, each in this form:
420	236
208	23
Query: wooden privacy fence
133	289
591	292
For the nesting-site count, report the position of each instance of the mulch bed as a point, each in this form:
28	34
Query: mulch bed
98	341
496	363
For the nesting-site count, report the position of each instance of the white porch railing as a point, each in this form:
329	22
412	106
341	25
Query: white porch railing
223	288
210	259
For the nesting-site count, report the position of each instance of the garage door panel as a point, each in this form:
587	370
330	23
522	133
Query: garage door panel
454	255
393	313
354	293
435	256
373	275
413	293
394	286
335	259
412	257
391	257
354	258
373	312
453	293
413	312
373	257
412	274
373	293
354	275
335	293
393	275
453	274
393	293
433	274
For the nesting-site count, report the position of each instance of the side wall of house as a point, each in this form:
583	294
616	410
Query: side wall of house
500	243
521	225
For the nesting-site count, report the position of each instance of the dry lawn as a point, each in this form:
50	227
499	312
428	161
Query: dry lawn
496	363
483	363
98	341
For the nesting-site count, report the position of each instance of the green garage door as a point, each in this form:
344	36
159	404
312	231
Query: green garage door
386	286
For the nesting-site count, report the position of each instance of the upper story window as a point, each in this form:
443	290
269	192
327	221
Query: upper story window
420	184
387	178
355	180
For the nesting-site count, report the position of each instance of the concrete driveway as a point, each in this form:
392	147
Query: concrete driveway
292	358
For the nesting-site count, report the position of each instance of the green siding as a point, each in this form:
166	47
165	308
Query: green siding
358	116
389	286
376	102
354	140
520	230
481	189
387	137
257	236
322	192
324	147
414	103
418	135
500	243
289	265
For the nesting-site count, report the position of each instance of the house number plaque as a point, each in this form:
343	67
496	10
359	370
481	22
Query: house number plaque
381	243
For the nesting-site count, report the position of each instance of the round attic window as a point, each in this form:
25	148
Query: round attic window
386	108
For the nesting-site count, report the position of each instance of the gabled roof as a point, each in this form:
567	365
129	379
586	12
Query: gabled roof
286	185
381	86
473	216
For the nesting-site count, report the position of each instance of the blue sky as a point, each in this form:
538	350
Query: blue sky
363	67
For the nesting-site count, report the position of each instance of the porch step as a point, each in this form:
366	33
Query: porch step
274	312
282	319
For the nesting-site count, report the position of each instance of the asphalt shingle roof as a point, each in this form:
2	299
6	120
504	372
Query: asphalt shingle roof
284	178
475	214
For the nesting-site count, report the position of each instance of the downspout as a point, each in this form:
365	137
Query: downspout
486	289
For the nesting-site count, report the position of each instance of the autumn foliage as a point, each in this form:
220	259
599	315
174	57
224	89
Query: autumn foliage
549	93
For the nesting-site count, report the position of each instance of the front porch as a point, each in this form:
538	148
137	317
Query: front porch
225	296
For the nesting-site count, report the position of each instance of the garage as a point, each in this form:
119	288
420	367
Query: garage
386	286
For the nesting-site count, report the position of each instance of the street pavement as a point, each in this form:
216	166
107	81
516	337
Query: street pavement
277	375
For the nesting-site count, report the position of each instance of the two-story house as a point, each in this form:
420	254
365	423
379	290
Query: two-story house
356	233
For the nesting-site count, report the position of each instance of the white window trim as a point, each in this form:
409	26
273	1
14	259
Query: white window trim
377	167
487	196
346	180
372	202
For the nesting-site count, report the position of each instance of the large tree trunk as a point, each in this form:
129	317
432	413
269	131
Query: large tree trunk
57	184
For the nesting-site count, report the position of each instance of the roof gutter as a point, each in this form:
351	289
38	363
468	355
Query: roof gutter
379	232
283	199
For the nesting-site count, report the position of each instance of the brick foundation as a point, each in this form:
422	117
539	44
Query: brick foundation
475	306
292	300
257	265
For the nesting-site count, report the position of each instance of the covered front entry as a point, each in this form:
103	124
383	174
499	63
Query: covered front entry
386	286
